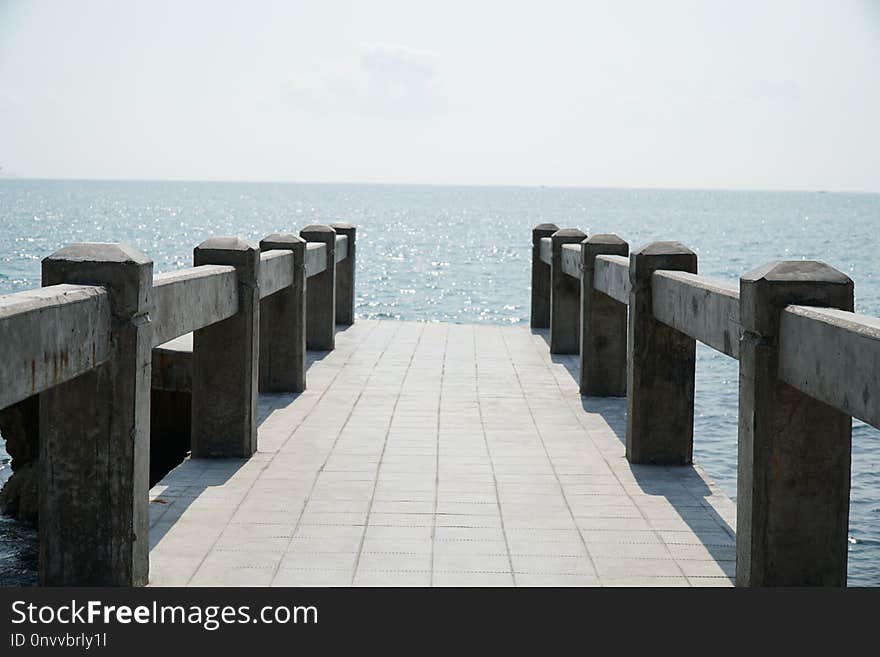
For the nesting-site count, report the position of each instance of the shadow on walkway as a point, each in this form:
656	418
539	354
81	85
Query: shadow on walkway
193	478
571	362
682	486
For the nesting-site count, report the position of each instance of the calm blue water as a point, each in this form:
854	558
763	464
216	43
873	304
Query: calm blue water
461	254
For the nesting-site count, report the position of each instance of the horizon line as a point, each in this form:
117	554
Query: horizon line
11	177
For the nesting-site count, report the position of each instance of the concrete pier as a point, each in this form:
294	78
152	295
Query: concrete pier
444	455
321	288
660	365
345	274
540	307
94	433
428	454
565	300
225	359
283	322
603	325
795	518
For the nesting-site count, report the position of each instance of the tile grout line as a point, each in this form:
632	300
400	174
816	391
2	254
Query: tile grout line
629	496
550	459
437	454
626	492
253	483
382	453
332	448
318	472
489	455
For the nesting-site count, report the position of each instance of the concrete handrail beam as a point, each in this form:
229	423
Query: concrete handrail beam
316	259
612	277
703	308
190	299
571	260
276	271
341	248
833	356
51	335
546	250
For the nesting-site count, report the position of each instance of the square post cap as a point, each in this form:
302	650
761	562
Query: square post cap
766	290
282	241
644	261
233	251
601	244
99	252
606	239
784	272
316	229
225	244
121	268
543	230
568	235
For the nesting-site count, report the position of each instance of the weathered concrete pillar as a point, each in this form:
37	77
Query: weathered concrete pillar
283	323
226	360
603	325
95	434
345	272
540	317
660	366
321	292
794	451
565	298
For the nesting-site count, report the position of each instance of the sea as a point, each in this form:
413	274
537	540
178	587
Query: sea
462	254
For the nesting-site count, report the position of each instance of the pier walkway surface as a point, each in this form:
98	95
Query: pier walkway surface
439	454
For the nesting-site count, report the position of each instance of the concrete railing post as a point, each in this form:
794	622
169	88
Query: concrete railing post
603	325
794	451
540	316
565	297
321	292
283	323
660	365
226	360
95	434
345	273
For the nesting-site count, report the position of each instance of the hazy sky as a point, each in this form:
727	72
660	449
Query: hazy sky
771	95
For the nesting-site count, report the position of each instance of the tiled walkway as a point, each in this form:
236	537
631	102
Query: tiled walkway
439	454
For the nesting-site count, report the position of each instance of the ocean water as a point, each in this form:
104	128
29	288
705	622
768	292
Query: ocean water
461	254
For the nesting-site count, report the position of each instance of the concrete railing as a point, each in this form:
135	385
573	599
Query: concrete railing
189	299
83	343
808	364
50	336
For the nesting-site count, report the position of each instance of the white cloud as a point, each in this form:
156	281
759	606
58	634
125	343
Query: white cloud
384	80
